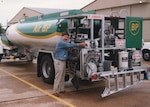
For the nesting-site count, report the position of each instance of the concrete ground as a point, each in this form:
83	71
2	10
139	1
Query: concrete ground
20	87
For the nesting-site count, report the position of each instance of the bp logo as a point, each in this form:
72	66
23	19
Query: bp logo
134	27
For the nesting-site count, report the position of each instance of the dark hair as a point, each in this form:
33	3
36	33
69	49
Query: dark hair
64	33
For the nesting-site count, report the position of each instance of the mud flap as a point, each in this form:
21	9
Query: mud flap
75	82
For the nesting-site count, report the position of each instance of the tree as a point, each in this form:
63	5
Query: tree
1	29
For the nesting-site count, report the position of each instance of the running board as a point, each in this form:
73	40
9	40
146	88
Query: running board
117	81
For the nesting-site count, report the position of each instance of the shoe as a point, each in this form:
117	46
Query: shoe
62	91
56	94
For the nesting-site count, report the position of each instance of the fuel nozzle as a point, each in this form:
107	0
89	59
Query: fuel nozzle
92	44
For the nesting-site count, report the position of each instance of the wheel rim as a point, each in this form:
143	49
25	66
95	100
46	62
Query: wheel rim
46	69
146	56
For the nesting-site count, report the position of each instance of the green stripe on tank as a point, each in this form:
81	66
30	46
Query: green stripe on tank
42	29
37	29
6	41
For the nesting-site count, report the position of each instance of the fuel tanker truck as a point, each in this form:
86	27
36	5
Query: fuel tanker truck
112	54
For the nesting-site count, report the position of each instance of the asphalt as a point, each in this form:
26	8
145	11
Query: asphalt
20	87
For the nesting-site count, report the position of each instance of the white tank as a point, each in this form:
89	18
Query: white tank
123	60
20	39
1	47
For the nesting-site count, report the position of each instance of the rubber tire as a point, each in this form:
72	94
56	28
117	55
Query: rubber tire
1	55
146	55
47	69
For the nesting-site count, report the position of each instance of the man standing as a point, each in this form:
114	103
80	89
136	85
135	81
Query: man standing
61	56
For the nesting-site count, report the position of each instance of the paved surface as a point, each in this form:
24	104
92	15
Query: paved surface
20	87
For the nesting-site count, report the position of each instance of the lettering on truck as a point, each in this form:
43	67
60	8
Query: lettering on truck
43	28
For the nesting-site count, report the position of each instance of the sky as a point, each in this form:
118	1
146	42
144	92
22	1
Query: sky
9	8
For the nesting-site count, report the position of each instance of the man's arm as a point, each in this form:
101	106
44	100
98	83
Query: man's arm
64	44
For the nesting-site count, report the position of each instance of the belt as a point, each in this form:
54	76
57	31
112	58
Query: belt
60	60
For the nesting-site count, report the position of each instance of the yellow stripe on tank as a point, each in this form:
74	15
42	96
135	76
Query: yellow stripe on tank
39	37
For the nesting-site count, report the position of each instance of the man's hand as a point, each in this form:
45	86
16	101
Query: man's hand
75	58
83	44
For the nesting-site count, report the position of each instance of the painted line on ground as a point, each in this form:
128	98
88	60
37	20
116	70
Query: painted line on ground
38	88
148	81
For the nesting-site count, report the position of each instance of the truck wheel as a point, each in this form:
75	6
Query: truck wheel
47	70
146	55
1	55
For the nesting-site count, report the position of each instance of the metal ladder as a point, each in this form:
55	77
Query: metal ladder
117	81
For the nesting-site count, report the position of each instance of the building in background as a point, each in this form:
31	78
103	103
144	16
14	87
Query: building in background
139	8
29	12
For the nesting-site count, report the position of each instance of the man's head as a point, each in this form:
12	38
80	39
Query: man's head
65	36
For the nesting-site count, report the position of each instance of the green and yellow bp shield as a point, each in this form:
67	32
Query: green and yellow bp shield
133	32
